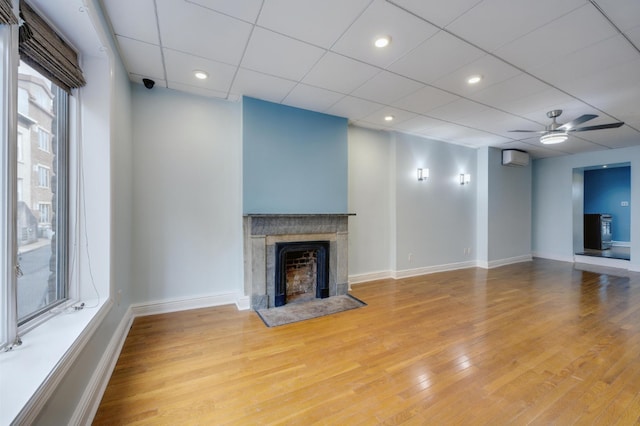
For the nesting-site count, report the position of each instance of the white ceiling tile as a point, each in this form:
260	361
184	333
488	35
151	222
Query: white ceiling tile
135	20
386	88
141	58
497	122
624	136
275	54
378	117
533	106
197	90
418	123
440	13
383	19
585	62
317	22
506	93
246	10
457	110
624	13
311	98
261	86
492	23
491	69
436	57
339	73
180	68
634	35
424	100
550	43
353	108
566	55
200	31
609	89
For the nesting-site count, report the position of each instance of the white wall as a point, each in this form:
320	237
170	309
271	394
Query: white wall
371	199
553	201
187	196
107	103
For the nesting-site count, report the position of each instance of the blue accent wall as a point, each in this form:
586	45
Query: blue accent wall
604	190
294	160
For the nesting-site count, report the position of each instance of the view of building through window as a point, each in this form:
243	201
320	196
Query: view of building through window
37	171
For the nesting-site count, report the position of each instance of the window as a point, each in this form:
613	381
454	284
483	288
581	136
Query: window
43	139
43	176
19	148
43	264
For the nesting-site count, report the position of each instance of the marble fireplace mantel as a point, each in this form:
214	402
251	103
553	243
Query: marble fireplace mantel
263	231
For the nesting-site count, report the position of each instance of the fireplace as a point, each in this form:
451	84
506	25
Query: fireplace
302	271
319	239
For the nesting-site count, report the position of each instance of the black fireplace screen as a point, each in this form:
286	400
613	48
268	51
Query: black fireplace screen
313	256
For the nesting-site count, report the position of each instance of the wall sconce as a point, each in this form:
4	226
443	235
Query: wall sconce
423	174
465	178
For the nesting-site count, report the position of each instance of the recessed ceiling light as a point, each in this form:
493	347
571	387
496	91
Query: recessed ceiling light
200	75
474	79
382	41
388	118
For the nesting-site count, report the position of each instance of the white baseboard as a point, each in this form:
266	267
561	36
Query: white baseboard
552	256
183	304
406	273
90	401
503	262
603	261
243	303
371	276
621	243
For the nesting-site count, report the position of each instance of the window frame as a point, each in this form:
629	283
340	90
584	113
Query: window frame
11	326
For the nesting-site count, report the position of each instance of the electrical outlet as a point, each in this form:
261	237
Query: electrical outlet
410	257
118	297
624	203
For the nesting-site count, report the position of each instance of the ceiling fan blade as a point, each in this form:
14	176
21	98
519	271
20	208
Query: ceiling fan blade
599	127
570	125
529	131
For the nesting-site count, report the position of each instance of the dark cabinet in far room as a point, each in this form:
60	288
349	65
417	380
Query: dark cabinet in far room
597	231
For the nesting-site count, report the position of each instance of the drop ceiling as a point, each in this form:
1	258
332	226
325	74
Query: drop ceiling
534	56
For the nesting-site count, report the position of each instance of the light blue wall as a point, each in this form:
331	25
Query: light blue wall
435	220
294	161
604	190
553	194
509	209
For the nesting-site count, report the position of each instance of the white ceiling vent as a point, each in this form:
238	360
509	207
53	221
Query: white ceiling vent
515	157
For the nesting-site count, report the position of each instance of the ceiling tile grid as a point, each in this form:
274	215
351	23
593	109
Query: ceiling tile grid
581	56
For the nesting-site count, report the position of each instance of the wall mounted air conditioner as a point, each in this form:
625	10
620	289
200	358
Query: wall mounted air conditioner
515	157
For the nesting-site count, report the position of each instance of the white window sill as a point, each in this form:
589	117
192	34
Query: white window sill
30	372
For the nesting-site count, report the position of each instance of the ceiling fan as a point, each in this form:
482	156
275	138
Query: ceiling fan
556	132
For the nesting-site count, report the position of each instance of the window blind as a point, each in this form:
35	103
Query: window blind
6	13
44	50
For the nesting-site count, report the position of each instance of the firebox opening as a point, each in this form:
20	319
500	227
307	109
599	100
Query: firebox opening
302	271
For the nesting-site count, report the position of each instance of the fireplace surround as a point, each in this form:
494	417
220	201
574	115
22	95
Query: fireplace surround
263	233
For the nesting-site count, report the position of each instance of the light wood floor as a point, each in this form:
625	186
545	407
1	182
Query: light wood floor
534	343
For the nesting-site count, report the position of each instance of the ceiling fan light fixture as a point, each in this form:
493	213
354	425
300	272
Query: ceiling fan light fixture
552	138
